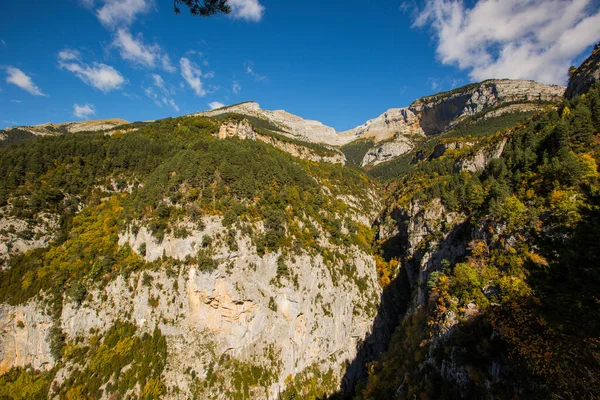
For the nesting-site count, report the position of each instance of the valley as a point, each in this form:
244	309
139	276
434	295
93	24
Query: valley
447	249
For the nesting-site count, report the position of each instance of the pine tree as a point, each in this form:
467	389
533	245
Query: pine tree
582	128
203	8
594	96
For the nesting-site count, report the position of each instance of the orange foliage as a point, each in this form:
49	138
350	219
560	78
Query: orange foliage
385	270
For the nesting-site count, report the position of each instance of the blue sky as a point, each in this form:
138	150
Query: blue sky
339	62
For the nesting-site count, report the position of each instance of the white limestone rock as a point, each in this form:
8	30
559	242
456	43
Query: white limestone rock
386	151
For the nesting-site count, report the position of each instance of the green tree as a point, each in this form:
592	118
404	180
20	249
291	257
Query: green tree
594	96
583	128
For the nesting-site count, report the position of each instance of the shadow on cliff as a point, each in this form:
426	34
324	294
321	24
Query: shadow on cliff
397	297
569	302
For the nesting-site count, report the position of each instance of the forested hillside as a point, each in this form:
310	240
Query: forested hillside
502	264
220	256
92	221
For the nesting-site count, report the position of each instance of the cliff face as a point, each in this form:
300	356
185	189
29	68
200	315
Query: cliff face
24	337
313	317
245	131
435	114
289	124
251	265
584	77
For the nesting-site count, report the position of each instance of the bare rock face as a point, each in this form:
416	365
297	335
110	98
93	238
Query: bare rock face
242	309
481	158
584	77
401	121
386	151
331	155
291	125
18	236
417	223
434	114
24	337
241	129
244	130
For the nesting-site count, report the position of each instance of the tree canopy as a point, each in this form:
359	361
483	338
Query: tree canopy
203	8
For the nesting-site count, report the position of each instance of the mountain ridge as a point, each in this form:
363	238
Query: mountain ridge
215	257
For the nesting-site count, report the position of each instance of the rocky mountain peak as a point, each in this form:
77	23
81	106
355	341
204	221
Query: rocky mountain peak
436	113
286	123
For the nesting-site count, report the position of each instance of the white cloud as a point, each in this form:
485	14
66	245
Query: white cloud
236	87
166	63
249	65
16	101
83	111
68	54
101	76
164	97
519	39
445	83
152	95
3	42
250	10
159	82
133	49
171	103
120	13
88	3
192	75
215	104
22	80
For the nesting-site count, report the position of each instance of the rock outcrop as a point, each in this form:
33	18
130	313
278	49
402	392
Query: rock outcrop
481	158
328	154
434	114
18	236
71	127
24	337
386	151
588	73
242	129
240	309
290	125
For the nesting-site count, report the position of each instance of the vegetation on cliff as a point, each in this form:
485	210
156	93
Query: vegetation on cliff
490	228
517	314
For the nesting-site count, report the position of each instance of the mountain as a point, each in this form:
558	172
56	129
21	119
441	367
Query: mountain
287	124
18	134
241	253
583	78
398	129
184	258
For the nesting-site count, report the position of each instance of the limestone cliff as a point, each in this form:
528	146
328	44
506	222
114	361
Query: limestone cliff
585	76
435	114
386	151
245	131
290	125
241	309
